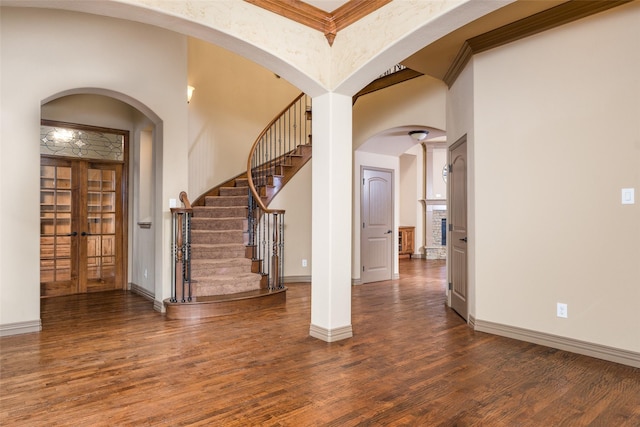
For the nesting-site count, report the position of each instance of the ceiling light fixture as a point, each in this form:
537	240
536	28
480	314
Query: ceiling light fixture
419	135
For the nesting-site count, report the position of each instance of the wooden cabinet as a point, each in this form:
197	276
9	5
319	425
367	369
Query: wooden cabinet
405	241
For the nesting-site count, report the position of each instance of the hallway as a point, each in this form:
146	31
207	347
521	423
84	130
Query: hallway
109	359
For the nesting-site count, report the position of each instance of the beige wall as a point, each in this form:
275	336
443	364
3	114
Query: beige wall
460	124
233	101
295	199
408	189
45	53
556	139
417	102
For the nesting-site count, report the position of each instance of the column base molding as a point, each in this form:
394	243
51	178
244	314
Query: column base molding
625	357
19	328
331	335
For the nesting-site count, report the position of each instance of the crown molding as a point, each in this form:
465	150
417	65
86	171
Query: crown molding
328	23
534	24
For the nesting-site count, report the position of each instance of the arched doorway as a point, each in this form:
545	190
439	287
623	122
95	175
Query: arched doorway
118	249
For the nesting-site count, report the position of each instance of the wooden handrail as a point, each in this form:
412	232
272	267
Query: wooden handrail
252	186
185	199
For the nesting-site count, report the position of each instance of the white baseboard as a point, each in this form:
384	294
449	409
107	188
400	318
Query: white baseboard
331	335
395	276
158	306
598	351
137	289
471	322
357	281
20	328
296	279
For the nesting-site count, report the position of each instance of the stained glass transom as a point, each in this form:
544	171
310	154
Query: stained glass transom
66	142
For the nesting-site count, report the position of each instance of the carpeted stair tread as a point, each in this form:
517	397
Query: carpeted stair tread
220	212
217	236
233	191
217	251
220	224
228	201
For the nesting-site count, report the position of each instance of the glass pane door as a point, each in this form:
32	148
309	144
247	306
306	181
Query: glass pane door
103	238
57	237
81	227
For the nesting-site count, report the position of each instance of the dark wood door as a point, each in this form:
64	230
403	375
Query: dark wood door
81	226
458	228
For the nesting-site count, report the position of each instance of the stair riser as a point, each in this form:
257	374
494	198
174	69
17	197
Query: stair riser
199	266
234	191
219	224
217	253
225	287
217	237
203	273
226	201
220	212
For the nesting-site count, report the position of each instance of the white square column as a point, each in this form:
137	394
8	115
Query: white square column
331	218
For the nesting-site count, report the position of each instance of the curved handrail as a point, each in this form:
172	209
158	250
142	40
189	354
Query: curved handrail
185	199
252	186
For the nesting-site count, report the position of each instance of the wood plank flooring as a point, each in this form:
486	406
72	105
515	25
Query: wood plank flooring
109	359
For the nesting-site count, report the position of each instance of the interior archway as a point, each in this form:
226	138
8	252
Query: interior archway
115	110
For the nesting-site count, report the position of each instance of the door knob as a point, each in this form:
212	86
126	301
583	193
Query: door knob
75	233
464	239
388	232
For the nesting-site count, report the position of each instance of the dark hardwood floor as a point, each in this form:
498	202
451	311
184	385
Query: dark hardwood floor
109	359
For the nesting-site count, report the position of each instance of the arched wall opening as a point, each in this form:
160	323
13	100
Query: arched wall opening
114	110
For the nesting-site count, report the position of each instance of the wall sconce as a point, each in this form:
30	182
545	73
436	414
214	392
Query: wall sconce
190	90
419	135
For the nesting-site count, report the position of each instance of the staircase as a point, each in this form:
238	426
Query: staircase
219	265
228	243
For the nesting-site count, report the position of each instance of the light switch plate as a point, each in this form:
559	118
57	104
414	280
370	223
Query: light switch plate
628	196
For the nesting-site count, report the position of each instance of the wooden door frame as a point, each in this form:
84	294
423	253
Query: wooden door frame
394	230
124	184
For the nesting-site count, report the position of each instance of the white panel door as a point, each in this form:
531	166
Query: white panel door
376	247
458	228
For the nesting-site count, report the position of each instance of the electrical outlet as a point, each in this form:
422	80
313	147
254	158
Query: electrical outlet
562	310
304	262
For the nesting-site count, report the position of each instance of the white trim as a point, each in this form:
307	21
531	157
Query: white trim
20	328
471	322
331	335
395	276
137	289
598	351
357	281
158	306
296	279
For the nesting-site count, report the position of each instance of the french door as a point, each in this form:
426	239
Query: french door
81	226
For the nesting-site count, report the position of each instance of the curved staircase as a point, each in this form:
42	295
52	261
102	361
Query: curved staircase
222	251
